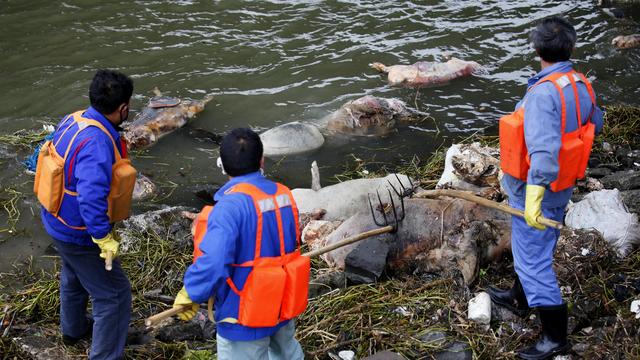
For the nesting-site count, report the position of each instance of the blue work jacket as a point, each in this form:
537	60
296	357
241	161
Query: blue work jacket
231	239
542	132
87	171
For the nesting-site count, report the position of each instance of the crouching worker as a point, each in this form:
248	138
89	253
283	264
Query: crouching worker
249	260
84	182
544	147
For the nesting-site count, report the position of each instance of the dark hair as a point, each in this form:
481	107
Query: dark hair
554	39
109	89
241	152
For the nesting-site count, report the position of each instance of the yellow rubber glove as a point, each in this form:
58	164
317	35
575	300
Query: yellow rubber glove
108	243
183	299
533	206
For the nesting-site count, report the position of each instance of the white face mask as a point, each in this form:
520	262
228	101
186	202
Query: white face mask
219	164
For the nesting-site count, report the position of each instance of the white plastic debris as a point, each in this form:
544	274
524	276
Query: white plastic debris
604	211
402	310
48	128
585	251
480	309
448	177
347	355
635	308
470	167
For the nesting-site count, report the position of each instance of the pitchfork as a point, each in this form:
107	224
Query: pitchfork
388	225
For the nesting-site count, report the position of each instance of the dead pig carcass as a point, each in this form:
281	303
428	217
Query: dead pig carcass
364	116
425	73
435	235
160	116
626	41
368	116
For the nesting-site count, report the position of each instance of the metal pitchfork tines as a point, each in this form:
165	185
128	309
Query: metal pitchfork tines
402	193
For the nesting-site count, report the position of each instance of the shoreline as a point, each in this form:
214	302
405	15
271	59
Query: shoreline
420	315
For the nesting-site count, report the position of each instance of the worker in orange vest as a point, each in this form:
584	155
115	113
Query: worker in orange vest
544	147
84	182
249	259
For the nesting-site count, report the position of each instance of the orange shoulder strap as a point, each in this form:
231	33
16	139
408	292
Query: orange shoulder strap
576	96
79	119
587	83
553	78
294	209
264	202
256	195
200	230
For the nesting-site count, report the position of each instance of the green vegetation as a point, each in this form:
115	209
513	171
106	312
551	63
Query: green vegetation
426	171
621	126
26	138
8	203
152	262
366	318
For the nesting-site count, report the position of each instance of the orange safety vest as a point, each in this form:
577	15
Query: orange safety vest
49	185
576	145
277	287
200	230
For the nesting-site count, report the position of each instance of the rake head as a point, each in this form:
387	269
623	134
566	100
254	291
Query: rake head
396	216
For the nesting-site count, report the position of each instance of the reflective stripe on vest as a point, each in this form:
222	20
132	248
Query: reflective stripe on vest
264	203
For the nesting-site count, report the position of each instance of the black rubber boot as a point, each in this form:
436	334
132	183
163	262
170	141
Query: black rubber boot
554	334
70	340
513	299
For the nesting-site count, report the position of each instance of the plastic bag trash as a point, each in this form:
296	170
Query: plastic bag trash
470	167
347	355
604	211
635	308
480	309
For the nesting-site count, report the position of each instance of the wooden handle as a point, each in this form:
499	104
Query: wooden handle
349	240
108	261
485	202
152	320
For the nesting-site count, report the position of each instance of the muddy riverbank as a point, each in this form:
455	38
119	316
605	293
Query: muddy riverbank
421	315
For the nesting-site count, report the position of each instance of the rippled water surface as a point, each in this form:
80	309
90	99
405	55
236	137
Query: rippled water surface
273	62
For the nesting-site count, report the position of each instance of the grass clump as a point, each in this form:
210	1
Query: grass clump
366	318
27	138
153	261
621	126
9	198
39	298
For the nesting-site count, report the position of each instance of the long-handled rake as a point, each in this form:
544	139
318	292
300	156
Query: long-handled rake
486	203
388	224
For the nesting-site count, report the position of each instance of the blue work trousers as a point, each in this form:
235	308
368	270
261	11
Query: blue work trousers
280	346
533	258
83	276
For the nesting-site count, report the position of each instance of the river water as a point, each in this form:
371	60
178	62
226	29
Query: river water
272	62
